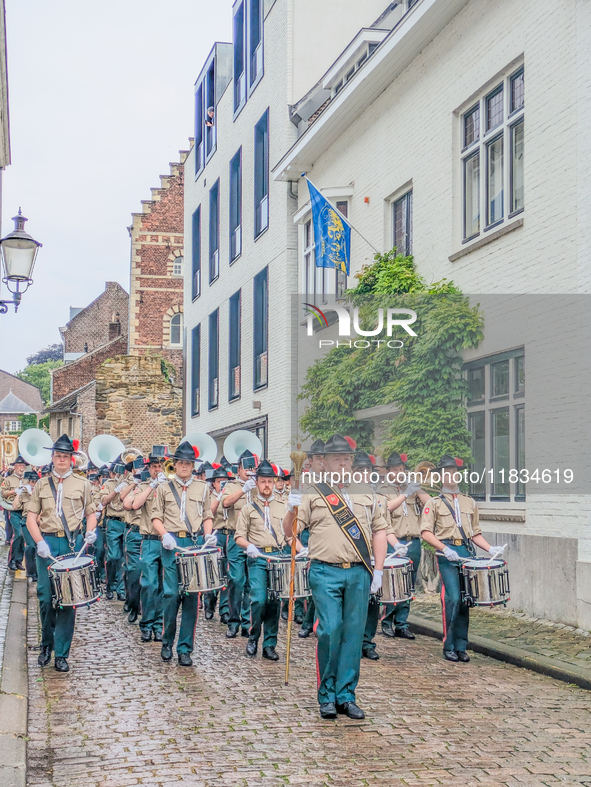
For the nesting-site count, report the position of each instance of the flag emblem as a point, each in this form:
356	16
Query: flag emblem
354	532
426	511
333	500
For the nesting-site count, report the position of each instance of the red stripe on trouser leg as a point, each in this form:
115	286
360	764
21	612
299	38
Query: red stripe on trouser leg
314	627
443	607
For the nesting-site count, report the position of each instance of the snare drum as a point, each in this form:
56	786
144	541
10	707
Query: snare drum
279	569
200	570
74	582
397	581
484	582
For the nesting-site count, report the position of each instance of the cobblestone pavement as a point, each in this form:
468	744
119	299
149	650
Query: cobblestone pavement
121	717
542	637
5	596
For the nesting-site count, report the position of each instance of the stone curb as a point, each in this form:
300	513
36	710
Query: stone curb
14	690
519	657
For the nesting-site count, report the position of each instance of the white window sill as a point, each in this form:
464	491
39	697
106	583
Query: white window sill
488	237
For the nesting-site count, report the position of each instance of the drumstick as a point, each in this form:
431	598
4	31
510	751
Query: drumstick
79	553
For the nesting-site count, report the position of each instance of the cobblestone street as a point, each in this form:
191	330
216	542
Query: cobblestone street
121	717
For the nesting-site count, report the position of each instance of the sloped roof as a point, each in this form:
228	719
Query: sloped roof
25	391
12	404
69	401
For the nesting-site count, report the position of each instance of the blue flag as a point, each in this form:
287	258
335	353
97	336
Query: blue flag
332	234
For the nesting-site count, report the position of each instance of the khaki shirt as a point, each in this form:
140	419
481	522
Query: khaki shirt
438	519
327	540
145	512
11	483
198	506
234	511
405	521
115	507
218	517
23	502
134	516
77	503
251	526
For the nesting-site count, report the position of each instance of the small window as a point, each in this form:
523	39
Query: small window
472	126
341	282
517	169
176	324
476	384
261	174
478	446
494	180
517	91
520	374
402	223
499	379
177	267
494	108
256	41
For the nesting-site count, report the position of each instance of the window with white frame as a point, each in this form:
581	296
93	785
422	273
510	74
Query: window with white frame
402	224
177	266
496	422
321	284
492	132
12	426
176	329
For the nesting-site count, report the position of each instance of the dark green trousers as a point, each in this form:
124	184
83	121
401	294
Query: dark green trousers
456	615
172	600
264	611
133	545
341	597
238	594
115	554
30	552
151	584
211	598
57	625
98	550
17	545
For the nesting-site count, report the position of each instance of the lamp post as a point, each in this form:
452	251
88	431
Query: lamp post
19	252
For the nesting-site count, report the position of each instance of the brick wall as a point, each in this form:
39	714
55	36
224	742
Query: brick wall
103	319
156	292
74	375
27	393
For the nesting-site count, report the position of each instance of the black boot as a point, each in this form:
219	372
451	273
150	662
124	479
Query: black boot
450	655
351	710
61	664
132	617
146	635
370	653
185	660
251	647
404	633
271	654
232	631
166	653
463	656
44	657
224	618
245	631
304	632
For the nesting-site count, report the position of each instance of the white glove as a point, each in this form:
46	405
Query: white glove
19	490
29	489
401	550
99	508
137	480
154	483
497	551
376	582
90	537
451	555
249	485
294	499
253	552
43	549
211	540
304	552
168	541
412	488
161	478
121	486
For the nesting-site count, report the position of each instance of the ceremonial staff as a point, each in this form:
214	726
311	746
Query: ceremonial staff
298	458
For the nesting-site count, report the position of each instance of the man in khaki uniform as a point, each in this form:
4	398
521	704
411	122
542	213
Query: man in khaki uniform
346	526
60	502
21	504
115	519
451	524
259	533
181	516
14	481
220	515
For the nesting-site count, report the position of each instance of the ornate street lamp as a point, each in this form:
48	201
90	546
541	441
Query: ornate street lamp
19	251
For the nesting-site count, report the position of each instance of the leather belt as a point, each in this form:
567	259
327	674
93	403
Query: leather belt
181	534
150	538
135	528
338	565
117	519
408	538
268	549
224	530
457	542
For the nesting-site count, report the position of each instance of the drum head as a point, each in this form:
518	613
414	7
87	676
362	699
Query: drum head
200	551
396	562
483	562
68	563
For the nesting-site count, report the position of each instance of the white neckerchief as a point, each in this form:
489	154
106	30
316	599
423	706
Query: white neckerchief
59	498
248	494
455	497
184	484
266	511
346	498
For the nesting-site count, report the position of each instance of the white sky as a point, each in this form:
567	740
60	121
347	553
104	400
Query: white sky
101	100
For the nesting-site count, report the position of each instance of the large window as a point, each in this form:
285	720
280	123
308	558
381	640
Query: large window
496	421
402	224
214	360
199	130
196	254
236	206
320	284
492	157
255	41
195	368
210	119
176	329
239	59
261	328
261	175
214	232
234	347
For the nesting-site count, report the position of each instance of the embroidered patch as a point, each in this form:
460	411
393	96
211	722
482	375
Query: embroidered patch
354	532
333	500
426	511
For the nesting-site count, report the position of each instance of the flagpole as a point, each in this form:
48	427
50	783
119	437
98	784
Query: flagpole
345	219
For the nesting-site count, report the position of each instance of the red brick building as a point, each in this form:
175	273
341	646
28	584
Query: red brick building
156	295
95	325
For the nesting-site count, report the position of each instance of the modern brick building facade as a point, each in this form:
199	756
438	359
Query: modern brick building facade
156	292
100	322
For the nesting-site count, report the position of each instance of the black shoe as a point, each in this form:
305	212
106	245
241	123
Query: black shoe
244	632
157	636
19	565
166	653
120	596
132	617
450	655
224	619
463	656
44	657
351	710
371	653
304	632
208	613
125	606
404	633
34	578
328	710
109	595
298	619
387	630
251	647
270	653
146	635
232	631
284	614
12	565
185	660
61	664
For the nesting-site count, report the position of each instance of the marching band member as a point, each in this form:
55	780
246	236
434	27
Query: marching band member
132	544
346	526
21	503
259	533
181	515
235	496
151	590
8	489
314	466
115	529
61	502
100	546
451	524
221	531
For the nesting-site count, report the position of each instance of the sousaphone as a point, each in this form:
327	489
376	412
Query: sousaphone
104	449
204	443
32	445
240	441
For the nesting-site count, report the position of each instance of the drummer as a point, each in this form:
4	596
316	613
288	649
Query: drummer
260	535
181	516
450	523
15	481
114	517
315	466
218	480
61	502
132	544
21	504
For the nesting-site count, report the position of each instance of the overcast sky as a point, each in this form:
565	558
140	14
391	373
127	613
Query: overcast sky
101	100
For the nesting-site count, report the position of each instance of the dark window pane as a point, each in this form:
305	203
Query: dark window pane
234	347
472	126
499	378
239	75
494	181
261	320
520	374
261	174
236	205
520	449
500	452
517	91
517	136
476	384
195	368
196	253
210	130
472	196
175	329
402	209
494	108
213	360
214	232
476	429
199	128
